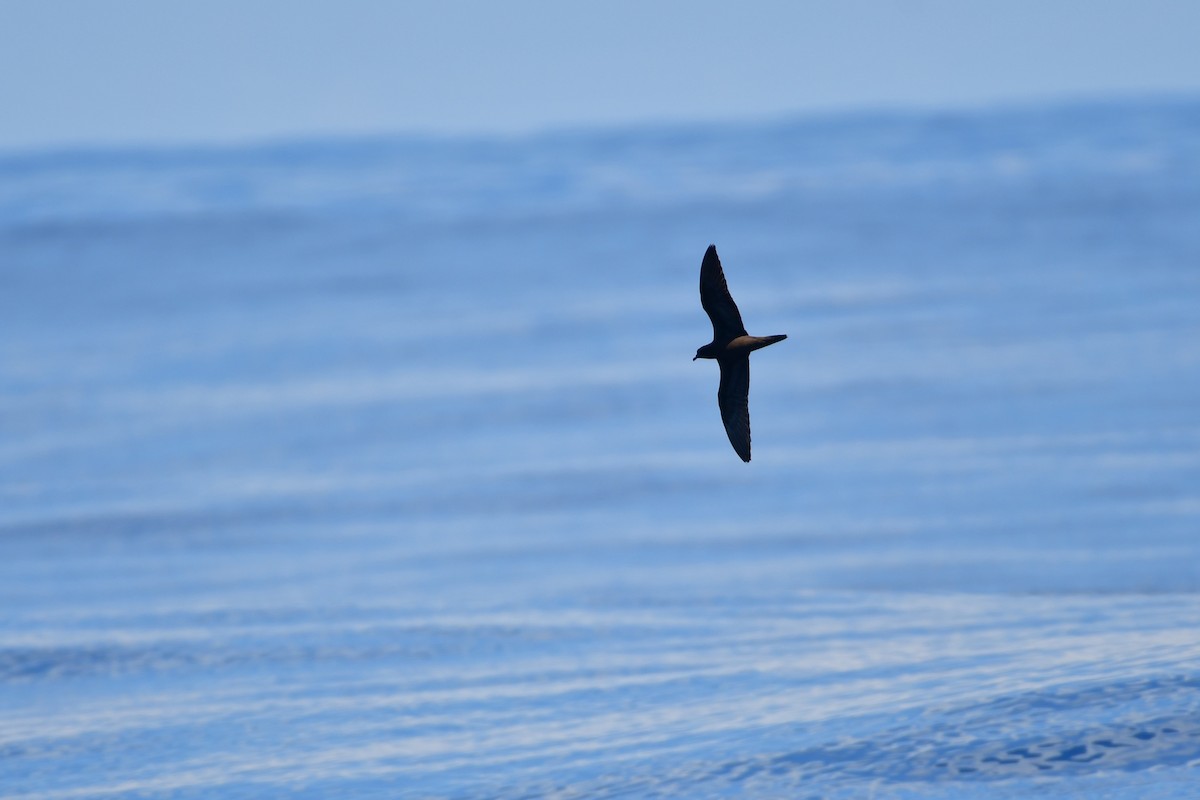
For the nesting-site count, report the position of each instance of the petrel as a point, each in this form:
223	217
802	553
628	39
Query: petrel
731	347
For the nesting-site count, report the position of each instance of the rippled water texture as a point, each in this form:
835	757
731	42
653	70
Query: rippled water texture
382	469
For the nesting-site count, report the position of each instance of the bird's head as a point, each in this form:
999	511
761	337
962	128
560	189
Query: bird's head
708	351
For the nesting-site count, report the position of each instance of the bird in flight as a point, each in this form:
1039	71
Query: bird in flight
731	347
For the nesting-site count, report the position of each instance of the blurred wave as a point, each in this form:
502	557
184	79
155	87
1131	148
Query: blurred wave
556	174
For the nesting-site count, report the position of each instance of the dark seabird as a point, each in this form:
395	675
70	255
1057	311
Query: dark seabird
731	347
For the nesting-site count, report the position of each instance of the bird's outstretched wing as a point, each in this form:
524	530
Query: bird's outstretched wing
734	399
714	296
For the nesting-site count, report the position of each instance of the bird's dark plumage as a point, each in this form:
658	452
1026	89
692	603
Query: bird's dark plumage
717	302
734	399
731	347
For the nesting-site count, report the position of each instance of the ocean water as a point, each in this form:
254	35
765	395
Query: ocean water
382	469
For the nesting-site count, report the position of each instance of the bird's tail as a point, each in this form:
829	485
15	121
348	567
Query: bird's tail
762	341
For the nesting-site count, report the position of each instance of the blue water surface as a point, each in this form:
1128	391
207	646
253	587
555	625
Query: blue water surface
382	469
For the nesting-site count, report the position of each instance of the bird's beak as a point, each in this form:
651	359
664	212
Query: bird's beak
694	358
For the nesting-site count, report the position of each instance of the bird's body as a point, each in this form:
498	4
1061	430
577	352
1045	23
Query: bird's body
741	346
731	347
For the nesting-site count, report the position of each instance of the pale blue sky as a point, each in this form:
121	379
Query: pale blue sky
162	72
